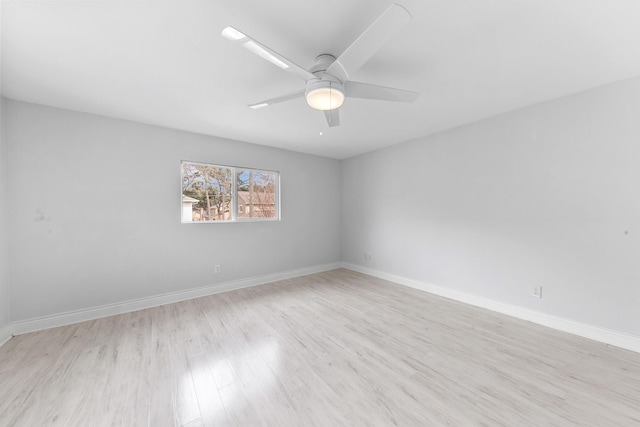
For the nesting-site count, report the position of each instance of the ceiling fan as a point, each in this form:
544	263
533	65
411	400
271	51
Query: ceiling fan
327	82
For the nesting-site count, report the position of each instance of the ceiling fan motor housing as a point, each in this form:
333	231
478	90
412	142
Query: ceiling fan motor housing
325	92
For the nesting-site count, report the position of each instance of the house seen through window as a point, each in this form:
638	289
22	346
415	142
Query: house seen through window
214	193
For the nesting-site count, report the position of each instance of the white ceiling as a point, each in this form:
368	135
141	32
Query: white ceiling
165	63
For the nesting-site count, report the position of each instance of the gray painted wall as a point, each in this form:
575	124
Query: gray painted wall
548	195
4	240
4	244
95	212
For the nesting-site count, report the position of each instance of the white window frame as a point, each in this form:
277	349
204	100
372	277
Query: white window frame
234	194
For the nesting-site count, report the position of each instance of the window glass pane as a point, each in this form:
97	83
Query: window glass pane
256	194
206	192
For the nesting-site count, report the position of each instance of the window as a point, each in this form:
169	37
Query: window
256	191
214	193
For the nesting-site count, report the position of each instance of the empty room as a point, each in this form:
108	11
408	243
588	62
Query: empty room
337	213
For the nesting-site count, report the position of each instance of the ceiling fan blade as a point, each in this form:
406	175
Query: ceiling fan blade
283	98
382	93
333	117
369	42
264	52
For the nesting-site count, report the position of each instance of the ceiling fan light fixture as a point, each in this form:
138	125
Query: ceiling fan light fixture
325	95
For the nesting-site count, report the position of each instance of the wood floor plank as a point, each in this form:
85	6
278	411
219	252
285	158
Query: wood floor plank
337	348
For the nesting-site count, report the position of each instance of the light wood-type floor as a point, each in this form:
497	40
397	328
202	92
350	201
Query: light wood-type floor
330	349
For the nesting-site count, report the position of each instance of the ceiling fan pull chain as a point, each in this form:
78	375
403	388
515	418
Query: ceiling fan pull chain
330	94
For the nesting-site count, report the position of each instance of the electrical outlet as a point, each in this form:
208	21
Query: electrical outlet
536	292
217	268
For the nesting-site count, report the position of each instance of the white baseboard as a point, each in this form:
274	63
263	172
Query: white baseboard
5	334
62	319
596	333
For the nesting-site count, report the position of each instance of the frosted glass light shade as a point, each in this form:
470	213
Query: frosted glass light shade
325	96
